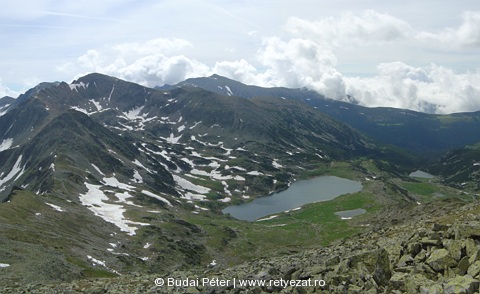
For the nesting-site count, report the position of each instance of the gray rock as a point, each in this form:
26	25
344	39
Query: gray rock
461	284
463	266
415	281
397	281
454	247
430	242
414	248
376	262
467	230
470	246
439	259
438	227
431	289
474	269
475	256
405	260
421	256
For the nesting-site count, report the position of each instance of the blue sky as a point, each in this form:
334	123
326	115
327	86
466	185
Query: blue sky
420	55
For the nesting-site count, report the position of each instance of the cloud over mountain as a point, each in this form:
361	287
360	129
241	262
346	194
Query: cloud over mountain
151	63
351	29
467	35
308	54
434	89
5	91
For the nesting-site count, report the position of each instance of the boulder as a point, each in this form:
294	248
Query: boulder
439	259
376	262
470	246
421	256
454	247
430	242
438	227
467	230
414	282
405	260
431	289
461	284
475	256
474	269
463	266
397	281
414	248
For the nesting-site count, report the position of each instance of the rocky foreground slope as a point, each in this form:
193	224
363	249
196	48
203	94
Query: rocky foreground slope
433	248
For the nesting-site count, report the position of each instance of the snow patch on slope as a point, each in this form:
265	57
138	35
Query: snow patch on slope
137	178
172	139
134	113
113	182
229	91
95	199
187	185
97	169
97	104
16	171
6	144
275	164
77	86
4	109
150	194
56	207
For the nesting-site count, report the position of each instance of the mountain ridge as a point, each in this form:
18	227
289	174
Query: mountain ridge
422	133
263	130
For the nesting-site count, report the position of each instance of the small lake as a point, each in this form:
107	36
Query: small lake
348	214
299	193
421	174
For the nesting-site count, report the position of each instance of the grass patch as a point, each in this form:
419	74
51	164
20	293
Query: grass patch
238	161
420	188
206	182
338	169
449	119
315	224
323	212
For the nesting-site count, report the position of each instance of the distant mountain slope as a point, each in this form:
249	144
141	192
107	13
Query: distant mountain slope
53	134
423	133
5	102
460	167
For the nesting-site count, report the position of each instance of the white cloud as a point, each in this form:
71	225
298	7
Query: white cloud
294	63
159	69
239	70
467	35
155	62
5	91
351	29
309	56
434	89
301	63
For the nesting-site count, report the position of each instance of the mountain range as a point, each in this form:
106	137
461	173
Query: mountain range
130	130
102	176
428	135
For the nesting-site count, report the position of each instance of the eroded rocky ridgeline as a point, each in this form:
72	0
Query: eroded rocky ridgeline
436	255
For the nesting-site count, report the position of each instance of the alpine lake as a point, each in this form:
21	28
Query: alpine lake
302	192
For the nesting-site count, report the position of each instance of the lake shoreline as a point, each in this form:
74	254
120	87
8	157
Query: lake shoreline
301	192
